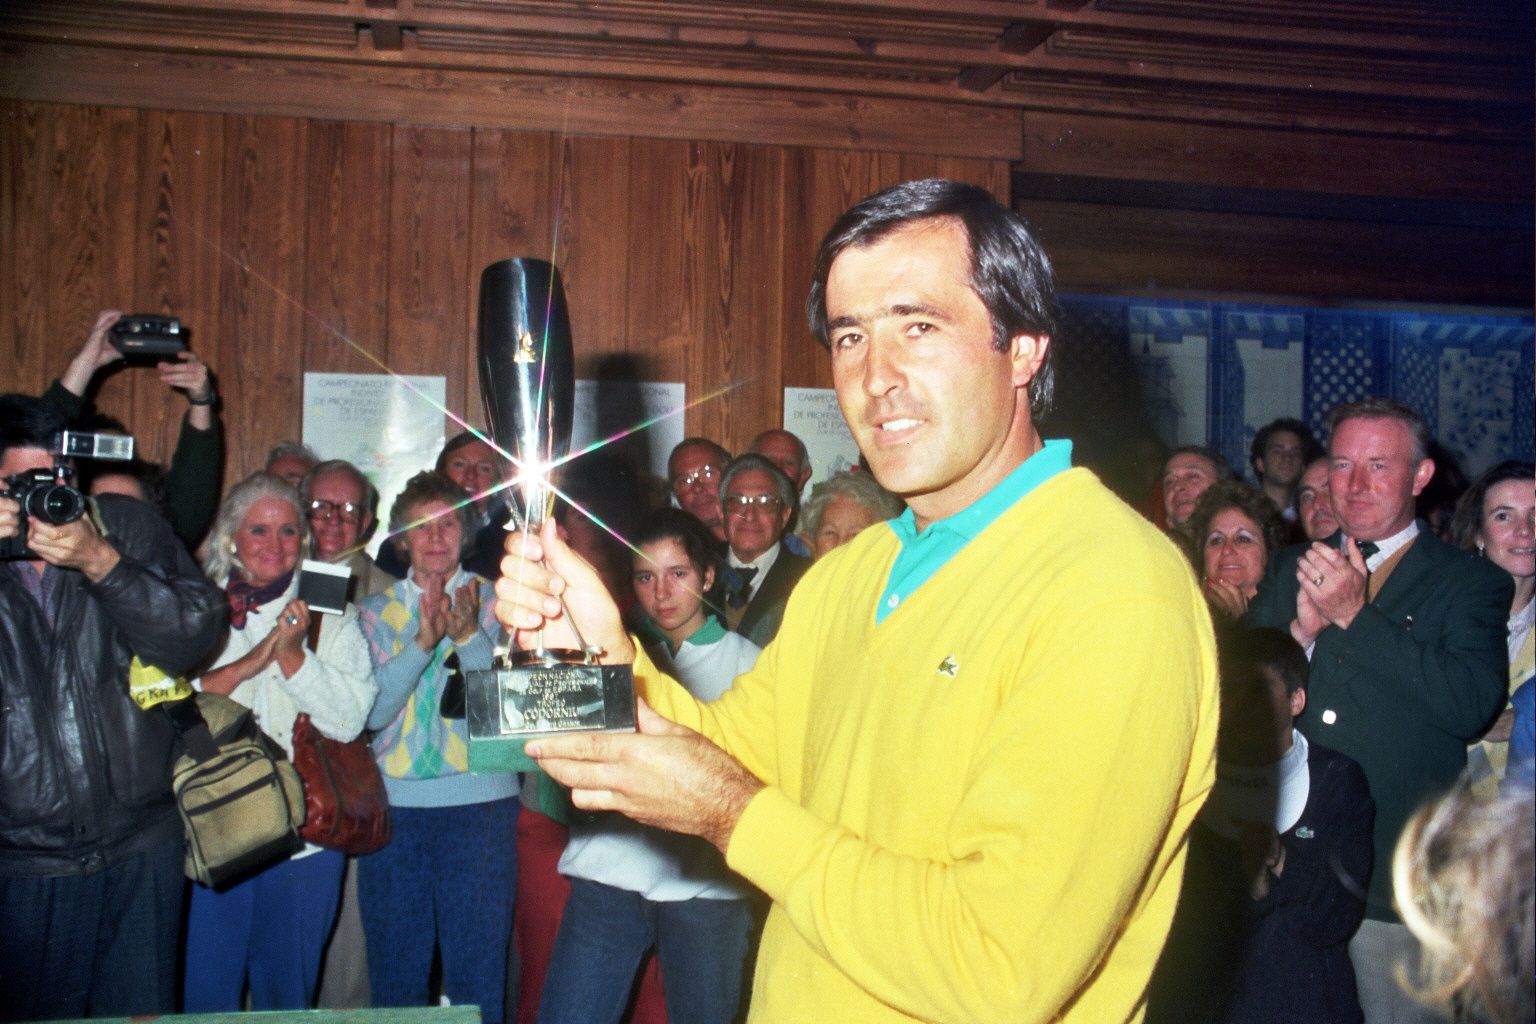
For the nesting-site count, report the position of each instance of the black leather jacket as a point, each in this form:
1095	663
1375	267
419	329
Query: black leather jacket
85	775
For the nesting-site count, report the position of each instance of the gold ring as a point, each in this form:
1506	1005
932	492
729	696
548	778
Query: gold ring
1318	580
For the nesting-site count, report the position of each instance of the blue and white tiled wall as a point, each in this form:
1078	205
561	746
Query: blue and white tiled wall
1213	373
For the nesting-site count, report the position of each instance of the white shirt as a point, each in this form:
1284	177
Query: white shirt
762	563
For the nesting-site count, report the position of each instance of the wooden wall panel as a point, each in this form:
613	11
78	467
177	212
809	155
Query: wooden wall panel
91	196
429	327
177	251
260	341
346	260
683	260
25	255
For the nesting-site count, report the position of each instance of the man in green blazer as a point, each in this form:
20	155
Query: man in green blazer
1406	639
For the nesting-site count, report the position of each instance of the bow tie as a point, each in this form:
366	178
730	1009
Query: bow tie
738	583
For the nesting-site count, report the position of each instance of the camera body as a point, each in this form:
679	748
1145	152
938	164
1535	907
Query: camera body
49	494
142	334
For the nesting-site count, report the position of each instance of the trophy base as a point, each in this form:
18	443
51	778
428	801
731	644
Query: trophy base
544	694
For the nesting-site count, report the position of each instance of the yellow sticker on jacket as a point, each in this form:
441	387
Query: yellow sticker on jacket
149	686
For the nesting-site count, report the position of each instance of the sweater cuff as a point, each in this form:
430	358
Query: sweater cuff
773	841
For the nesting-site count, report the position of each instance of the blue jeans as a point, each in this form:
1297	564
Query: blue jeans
102	944
703	946
269	929
445	881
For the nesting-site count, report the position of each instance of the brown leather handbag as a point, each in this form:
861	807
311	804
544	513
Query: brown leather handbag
345	805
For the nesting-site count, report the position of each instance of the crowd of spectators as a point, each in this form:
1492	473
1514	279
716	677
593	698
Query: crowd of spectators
1367	666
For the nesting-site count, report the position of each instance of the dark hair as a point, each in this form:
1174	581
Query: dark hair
1388	409
675	524
149	476
1250	501
1010	272
1243	653
1467	522
761	463
1219	464
27	422
429	485
460	440
697	442
1309	446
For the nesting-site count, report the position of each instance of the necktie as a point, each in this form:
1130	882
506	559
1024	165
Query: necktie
1367	548
738	585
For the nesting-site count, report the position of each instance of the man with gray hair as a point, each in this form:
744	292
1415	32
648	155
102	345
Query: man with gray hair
788	452
1406	636
758	501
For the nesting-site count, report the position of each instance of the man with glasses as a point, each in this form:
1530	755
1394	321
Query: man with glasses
758	502
693	471
339	501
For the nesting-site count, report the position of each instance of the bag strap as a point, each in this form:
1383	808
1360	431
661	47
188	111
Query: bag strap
191	727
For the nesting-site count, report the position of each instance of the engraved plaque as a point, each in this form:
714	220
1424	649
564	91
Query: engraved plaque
508	707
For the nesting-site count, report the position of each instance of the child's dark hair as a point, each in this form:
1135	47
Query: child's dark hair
1244	653
675	524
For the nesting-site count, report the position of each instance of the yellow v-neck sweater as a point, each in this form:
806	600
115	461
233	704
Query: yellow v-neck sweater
976	810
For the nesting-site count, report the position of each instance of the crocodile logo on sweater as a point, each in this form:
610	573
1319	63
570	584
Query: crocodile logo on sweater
949	667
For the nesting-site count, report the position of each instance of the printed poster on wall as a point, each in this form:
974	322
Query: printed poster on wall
812	415
389	427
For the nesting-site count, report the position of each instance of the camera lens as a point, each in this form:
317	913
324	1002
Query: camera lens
56	504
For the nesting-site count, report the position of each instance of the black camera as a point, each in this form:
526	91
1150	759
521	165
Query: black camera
152	336
49	494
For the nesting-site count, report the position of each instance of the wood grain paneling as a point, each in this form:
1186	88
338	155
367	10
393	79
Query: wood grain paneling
683	260
260	341
176	250
429	325
346	261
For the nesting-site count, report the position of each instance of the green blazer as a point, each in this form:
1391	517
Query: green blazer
1421	671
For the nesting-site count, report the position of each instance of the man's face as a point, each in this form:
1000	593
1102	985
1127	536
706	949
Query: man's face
1187	477
291	468
940	415
1374	476
1280	462
473	467
779	448
753	526
336	515
1314	504
695	473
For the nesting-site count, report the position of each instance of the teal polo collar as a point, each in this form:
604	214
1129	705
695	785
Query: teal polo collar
924	553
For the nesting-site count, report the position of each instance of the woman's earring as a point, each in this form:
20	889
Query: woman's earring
1480	552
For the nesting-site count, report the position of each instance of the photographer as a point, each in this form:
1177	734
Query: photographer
192	482
91	844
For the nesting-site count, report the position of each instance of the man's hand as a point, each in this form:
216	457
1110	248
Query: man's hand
10	517
98	351
1334	580
665	775
74	545
536	573
189	374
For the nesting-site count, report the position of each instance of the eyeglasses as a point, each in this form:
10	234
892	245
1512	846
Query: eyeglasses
349	512
702	475
746	504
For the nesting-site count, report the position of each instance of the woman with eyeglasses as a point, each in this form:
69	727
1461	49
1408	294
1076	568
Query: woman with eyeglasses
445	881
279	659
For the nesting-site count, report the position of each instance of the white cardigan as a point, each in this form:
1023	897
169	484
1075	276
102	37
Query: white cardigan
334	685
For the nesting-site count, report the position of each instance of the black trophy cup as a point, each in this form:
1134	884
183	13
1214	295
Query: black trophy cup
528	378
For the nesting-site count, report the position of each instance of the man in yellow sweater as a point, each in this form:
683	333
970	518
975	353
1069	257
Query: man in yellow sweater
964	771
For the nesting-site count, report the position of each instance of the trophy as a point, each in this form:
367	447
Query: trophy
528	379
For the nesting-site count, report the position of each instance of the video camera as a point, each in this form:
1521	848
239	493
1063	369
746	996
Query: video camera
48	494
